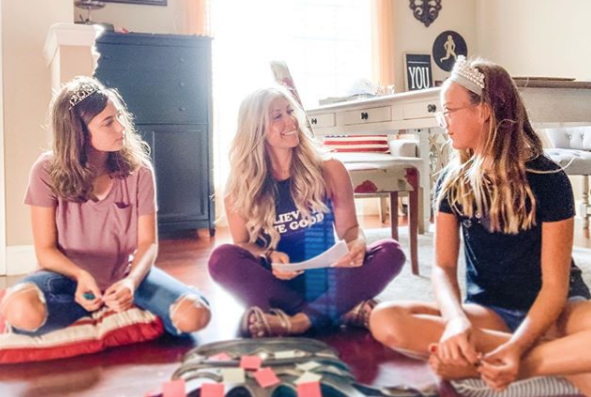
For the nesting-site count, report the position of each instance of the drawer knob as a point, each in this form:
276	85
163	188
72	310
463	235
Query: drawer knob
314	120
431	108
181	84
182	108
364	116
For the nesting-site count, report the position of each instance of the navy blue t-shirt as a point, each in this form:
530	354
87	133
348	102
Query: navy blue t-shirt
505	269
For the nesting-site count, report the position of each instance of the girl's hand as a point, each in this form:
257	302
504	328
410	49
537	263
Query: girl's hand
119	296
88	295
356	255
455	346
500	367
281	257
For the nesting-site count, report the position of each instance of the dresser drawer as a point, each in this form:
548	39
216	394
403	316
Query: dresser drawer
419	110
322	120
372	115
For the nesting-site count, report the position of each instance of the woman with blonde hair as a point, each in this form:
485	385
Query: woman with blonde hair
283	203
93	209
526	311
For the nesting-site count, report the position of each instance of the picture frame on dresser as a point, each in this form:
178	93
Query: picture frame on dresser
418	74
163	3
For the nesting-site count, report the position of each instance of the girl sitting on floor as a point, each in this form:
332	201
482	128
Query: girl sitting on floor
526	312
94	223
283	202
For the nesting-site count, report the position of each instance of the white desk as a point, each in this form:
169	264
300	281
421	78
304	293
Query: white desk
549	103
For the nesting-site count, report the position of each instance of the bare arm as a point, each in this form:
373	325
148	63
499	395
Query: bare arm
557	242
501	366
238	230
51	258
456	345
119	296
340	191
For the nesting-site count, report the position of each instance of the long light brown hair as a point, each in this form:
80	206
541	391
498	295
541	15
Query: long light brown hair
71	173
251	186
494	183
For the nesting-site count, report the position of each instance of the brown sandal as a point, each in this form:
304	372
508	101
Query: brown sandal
359	315
261	322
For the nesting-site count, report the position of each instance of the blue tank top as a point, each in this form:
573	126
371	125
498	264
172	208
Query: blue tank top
301	239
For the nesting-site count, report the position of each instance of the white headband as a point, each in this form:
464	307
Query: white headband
467	76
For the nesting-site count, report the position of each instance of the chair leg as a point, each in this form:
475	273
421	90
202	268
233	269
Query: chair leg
413	227
384	208
585	206
394	215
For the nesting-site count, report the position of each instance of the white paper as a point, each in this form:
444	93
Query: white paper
325	259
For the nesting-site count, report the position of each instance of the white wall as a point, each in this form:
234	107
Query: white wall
410	35
26	91
537	37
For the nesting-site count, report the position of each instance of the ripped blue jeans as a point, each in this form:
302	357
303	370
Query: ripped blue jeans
157	293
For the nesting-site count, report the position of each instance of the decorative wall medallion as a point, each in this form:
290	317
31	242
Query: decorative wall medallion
447	47
425	11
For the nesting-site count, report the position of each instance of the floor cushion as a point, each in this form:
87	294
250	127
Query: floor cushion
533	387
102	330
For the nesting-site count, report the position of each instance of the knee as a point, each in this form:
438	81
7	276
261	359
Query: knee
386	324
190	314
391	256
223	256
24	307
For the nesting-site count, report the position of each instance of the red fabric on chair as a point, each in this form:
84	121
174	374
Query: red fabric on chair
88	335
357	143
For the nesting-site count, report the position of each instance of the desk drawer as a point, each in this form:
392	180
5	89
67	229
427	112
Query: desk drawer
322	120
373	115
419	110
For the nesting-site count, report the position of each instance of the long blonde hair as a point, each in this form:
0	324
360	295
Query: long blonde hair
71	173
251	187
501	191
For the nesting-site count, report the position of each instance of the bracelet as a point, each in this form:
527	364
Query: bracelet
266	254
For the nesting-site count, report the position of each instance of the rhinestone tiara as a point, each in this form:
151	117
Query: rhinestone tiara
467	76
85	90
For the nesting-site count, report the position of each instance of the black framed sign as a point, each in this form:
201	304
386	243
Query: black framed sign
145	2
417	72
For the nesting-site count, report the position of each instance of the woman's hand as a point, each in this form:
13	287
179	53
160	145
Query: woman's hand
501	366
356	255
88	295
281	257
119	296
455	346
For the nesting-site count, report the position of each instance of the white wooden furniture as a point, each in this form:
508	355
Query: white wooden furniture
550	103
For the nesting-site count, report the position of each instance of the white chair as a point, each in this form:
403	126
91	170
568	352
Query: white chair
378	173
571	148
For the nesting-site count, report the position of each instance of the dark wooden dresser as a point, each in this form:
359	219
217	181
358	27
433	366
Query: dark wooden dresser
166	82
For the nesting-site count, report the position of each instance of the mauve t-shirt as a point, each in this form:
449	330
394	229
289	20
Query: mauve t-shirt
100	237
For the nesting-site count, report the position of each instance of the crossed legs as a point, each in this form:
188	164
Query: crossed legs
410	327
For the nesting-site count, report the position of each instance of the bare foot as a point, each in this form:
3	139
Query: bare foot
451	372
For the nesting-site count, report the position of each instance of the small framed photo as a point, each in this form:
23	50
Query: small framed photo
418	74
142	2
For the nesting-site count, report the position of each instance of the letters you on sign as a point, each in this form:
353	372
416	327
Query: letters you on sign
418	72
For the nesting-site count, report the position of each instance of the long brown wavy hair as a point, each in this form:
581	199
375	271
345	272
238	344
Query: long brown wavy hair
71	173
501	189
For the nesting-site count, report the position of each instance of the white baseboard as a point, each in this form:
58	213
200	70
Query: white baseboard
20	259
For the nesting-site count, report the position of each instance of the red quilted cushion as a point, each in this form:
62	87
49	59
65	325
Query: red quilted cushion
357	143
88	335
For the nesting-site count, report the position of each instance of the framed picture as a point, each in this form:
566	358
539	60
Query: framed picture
144	2
417	71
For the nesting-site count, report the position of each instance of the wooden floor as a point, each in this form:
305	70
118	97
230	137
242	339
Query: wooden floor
137	369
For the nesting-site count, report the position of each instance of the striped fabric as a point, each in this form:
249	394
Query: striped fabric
88	335
532	387
357	143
